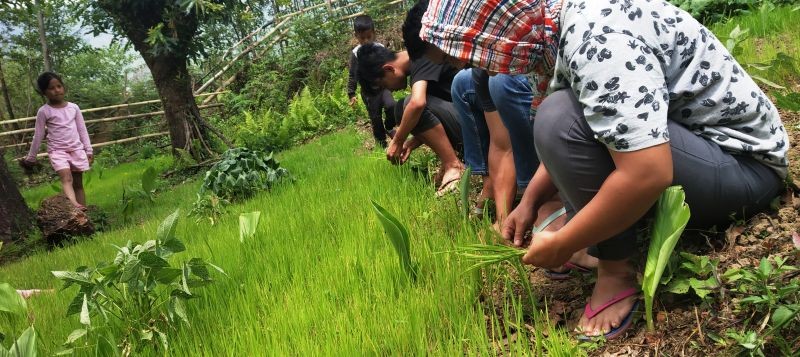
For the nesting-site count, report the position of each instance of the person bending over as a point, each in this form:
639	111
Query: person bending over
643	97
380	68
364	32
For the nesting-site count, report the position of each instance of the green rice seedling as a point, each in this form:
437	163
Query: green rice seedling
672	214
248	222
485	255
398	235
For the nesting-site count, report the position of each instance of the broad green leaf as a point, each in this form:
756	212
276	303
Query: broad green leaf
131	270
765	267
167	275
679	286
783	315
75	335
72	277
152	261
703	287
179	308
398	235
248	222
672	215
25	345
166	230
11	301
85	320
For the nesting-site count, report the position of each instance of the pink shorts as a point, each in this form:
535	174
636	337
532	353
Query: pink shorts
76	160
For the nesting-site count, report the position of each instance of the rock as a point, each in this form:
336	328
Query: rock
59	219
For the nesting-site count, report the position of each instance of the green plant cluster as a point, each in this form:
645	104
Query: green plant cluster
137	299
13	306
710	11
307	115
241	173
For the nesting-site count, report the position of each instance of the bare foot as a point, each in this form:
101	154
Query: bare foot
613	277
450	179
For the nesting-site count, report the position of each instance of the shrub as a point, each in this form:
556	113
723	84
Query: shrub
241	173
137	299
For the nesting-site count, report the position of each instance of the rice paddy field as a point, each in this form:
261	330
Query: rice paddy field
319	276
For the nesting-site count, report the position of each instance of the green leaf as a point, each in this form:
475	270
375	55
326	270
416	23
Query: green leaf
398	236
767	82
131	271
782	315
152	261
72	277
678	286
672	214
167	276
765	268
703	287
85	320
166	230
178	307
75	335
248	222
25	345
11	301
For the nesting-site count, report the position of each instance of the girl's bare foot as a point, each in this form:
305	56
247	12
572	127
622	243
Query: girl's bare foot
613	278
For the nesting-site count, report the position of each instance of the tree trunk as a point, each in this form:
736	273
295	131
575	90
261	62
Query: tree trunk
173	82
6	95
16	219
43	36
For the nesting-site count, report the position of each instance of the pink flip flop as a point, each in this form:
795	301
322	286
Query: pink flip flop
626	323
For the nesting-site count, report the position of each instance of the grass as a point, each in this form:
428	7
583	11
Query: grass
771	31
319	277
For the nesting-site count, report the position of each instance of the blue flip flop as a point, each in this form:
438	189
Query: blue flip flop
626	323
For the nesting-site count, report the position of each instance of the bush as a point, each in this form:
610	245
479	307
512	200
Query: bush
710	11
241	173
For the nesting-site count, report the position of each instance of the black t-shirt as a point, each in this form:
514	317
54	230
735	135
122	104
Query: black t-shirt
439	77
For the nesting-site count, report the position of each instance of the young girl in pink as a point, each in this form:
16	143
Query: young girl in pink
68	144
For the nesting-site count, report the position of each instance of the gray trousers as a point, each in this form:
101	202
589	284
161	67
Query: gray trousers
718	184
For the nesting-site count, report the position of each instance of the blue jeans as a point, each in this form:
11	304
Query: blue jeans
512	95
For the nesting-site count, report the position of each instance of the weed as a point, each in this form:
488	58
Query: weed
241	173
139	294
398	235
133	196
698	273
14	306
208	206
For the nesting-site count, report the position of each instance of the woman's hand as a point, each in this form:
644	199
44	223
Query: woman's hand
91	158
547	250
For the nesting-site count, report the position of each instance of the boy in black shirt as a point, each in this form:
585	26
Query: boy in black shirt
364	32
428	112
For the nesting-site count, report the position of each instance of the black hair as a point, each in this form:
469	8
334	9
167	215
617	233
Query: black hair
371	58
411	26
43	82
363	23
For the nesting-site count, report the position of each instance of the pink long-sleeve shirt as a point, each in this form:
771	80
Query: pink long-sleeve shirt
66	130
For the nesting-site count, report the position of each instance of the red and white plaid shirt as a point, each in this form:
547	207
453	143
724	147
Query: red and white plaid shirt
513	36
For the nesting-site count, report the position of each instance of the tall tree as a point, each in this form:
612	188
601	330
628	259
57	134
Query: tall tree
48	67
16	219
164	32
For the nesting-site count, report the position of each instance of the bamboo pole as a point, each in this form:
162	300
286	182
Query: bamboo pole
103	120
120	141
232	78
239	56
154	101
